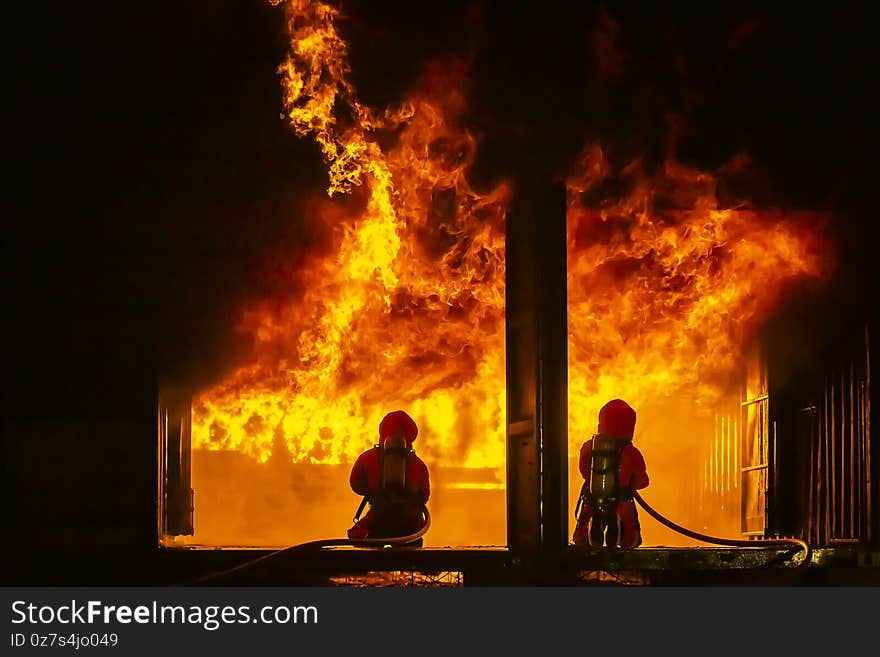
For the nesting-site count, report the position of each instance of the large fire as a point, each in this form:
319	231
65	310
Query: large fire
407	310
665	285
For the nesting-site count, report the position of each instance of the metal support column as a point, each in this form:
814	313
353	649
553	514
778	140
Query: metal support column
537	370
175	464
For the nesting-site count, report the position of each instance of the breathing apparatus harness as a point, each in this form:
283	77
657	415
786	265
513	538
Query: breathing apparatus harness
603	490
393	457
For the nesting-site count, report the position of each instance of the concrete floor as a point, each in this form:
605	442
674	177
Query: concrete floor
474	566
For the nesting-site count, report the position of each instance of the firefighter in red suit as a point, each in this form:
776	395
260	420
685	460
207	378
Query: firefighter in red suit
393	480
612	469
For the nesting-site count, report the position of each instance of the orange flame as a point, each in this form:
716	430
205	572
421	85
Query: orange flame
407	311
664	285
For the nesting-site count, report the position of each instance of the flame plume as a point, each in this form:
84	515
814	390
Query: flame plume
665	285
407	309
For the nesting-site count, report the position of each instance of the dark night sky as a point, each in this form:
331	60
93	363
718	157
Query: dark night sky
153	177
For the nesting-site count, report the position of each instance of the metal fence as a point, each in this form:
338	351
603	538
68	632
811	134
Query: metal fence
838	430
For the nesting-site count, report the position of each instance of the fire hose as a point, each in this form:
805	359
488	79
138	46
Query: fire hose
392	541
804	545
404	540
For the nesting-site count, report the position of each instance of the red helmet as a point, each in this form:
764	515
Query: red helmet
398	423
618	419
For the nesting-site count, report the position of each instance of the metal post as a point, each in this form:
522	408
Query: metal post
176	494
523	533
537	369
553	367
872	465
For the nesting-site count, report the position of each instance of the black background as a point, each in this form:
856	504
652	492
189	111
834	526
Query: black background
154	184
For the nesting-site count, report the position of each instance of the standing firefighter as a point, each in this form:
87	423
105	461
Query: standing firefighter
612	469
393	480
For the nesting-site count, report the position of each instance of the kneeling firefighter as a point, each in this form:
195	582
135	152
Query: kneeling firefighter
393	480
612	469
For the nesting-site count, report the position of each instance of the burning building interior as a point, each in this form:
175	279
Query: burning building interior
496	218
